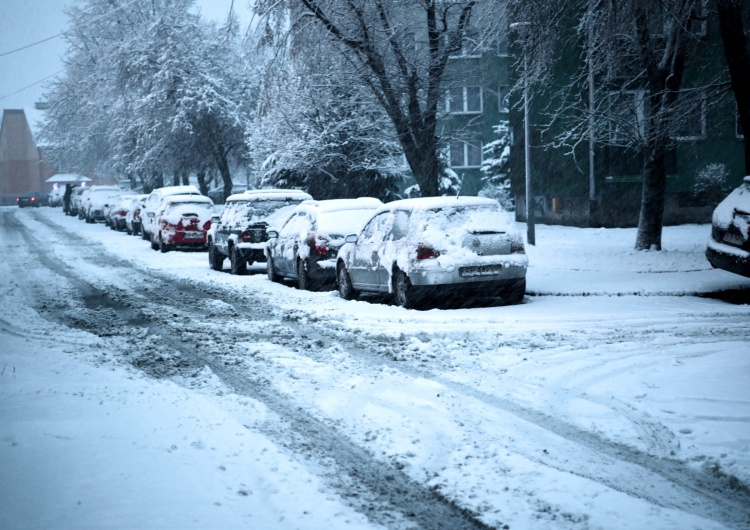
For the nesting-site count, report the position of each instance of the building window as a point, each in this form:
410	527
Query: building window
689	122
470	46
626	116
465	154
464	100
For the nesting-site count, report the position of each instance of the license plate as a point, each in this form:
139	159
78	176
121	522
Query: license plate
193	235
733	239
480	270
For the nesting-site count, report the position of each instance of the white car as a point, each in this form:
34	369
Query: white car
153	203
446	249
94	200
305	248
729	245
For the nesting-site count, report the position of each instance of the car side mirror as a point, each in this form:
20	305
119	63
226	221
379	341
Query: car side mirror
351	238
151	215
272	234
215	219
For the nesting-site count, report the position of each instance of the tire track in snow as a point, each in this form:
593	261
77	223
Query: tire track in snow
382	492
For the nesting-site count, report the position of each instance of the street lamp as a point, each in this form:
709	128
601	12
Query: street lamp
530	232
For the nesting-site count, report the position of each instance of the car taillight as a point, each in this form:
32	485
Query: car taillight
426	252
18	199
123	213
33	199
207	225
516	247
319	245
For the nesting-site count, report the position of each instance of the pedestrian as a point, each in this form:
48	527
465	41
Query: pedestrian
66	199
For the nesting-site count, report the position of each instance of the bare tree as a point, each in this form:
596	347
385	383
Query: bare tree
738	61
400	50
636	51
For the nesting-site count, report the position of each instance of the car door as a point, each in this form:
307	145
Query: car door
365	260
284	250
394	239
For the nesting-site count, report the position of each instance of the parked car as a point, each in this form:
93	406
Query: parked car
239	233
305	248
95	200
435	249
153	203
56	196
181	222
75	200
729	245
117	210
32	198
133	215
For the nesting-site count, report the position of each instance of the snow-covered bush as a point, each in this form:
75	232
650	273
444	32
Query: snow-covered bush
711	184
449	183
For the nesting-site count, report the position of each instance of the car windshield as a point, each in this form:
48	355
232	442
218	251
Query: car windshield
260	210
474	219
342	222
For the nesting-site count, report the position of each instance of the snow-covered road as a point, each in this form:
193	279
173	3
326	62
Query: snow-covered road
141	389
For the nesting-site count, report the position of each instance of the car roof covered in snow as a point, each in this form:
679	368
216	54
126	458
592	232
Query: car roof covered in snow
431	203
189	198
338	205
272	194
178	190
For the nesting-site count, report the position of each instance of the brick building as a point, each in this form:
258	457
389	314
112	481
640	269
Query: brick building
20	167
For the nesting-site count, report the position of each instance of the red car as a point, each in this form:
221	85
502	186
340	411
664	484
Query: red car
181	221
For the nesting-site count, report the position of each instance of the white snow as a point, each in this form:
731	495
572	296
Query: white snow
88	442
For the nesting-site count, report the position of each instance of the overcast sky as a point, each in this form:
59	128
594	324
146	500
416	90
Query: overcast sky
25	22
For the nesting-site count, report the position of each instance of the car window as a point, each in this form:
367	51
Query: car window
374	230
299	224
399	226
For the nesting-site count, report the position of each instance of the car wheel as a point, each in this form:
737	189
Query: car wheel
154	244
303	278
237	264
346	290
215	259
144	235
271	271
128	230
403	292
163	247
515	293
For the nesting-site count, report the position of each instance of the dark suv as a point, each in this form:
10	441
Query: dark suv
239	233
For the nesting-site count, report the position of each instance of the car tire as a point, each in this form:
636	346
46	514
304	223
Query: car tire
344	281
154	244
403	291
271	272
303	278
128	230
514	294
163	247
215	258
144	235
238	265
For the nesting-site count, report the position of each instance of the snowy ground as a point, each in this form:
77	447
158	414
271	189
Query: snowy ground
143	390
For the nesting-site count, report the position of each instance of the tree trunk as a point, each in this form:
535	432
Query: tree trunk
202	184
652	200
222	162
738	61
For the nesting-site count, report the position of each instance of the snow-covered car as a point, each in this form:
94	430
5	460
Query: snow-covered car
305	248
239	233
56	196
729	245
117	211
443	249
95	200
76	197
133	215
154	202
181	222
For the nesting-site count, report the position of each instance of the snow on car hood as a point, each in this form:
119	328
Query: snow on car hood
737	201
